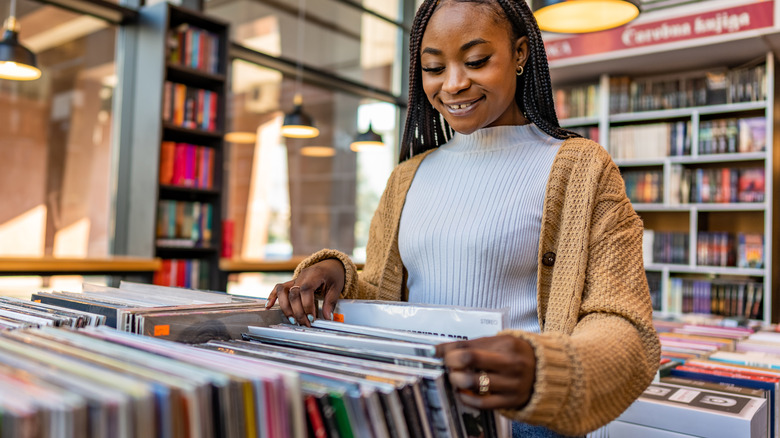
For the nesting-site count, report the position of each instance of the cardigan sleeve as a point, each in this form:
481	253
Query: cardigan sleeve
589	377
364	286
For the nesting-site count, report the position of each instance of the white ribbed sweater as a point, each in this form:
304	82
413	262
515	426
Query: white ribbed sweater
469	231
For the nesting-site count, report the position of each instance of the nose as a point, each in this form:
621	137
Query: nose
455	80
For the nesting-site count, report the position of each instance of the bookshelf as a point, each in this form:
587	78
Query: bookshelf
181	83
696	151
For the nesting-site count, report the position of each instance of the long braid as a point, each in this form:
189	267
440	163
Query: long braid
426	129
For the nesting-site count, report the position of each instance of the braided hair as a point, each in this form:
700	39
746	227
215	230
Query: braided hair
426	129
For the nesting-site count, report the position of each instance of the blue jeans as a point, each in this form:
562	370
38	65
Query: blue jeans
522	430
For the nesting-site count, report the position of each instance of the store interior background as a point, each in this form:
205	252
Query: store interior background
62	181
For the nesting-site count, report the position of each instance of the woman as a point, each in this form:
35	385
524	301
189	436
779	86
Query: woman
509	210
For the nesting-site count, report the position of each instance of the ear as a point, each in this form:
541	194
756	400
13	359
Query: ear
520	50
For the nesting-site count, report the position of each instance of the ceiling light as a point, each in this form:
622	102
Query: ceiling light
582	16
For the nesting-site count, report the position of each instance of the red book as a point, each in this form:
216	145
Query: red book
212	112
179	164
210	168
181	273
167	159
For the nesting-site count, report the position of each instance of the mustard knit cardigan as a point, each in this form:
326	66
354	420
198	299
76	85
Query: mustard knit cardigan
597	350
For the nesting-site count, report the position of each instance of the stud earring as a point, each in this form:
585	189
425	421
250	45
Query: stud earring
519	70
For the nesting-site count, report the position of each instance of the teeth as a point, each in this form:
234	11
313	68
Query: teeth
459	106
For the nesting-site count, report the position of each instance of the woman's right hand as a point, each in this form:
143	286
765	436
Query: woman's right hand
297	297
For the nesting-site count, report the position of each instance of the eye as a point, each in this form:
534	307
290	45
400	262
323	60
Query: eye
479	62
432	69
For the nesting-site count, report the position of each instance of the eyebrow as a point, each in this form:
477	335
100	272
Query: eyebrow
463	48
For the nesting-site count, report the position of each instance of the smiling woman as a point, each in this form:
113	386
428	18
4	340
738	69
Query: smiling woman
494	205
472	82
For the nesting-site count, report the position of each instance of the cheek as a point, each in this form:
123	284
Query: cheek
429	88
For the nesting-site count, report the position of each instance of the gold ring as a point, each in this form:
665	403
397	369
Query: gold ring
484	383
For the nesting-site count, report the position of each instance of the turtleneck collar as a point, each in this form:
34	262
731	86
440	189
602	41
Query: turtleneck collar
496	138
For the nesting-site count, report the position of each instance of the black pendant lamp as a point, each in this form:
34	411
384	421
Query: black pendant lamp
16	61
366	139
298	124
582	16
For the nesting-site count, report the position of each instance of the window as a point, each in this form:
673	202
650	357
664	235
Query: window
56	138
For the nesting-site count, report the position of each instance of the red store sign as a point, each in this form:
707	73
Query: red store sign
720	22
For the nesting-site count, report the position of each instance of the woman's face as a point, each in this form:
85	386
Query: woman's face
468	61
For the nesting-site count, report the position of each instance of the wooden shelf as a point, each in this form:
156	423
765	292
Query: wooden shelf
50	265
238	265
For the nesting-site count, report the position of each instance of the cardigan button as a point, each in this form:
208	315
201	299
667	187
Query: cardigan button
548	259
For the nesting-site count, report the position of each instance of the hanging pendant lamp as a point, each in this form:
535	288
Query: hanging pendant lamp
366	139
298	124
582	16
16	61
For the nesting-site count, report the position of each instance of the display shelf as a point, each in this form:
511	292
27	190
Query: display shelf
180	107
704	269
663	173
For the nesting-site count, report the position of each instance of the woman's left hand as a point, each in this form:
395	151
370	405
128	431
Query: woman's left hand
493	372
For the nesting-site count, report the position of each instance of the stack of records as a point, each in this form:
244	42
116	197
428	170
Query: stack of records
16	313
102	383
389	381
182	315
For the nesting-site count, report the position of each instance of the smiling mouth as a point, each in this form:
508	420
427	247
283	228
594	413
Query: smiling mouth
462	107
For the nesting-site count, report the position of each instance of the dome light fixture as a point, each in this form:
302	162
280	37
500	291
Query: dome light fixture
366	140
583	16
16	61
298	124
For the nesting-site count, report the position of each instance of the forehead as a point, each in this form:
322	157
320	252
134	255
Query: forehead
454	23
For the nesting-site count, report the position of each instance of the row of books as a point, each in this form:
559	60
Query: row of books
665	247
726	136
187	273
591	132
184	224
577	101
744	250
644	186
186	165
655	284
193	47
716	297
716	185
713	87
653	140
190	107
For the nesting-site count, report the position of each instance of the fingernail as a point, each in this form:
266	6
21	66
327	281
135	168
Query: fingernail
331	317
311	318
292	320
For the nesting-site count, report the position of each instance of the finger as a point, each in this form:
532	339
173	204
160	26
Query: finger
501	362
294	296
329	303
269	302
443	349
494	401
284	302
308	304
497	383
